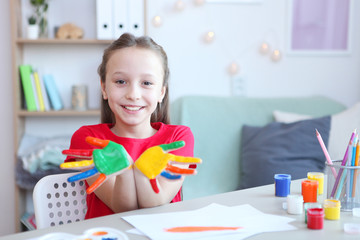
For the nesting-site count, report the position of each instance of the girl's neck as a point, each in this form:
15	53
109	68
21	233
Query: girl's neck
138	132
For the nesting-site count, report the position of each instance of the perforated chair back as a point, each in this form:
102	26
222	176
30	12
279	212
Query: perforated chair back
56	201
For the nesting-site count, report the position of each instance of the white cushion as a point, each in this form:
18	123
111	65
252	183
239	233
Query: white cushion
286	117
342	126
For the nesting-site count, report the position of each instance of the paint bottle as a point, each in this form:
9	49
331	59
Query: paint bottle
319	177
309	205
332	209
295	204
282	184
309	190
315	218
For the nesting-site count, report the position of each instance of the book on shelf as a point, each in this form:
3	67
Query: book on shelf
53	92
39	95
27	86
41	91
28	219
36	96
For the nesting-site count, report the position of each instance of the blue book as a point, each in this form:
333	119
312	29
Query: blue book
53	92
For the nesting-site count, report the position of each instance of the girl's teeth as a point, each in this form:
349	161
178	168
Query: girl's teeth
132	108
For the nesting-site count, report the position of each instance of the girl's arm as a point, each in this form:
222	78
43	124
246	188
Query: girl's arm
118	192
167	188
146	195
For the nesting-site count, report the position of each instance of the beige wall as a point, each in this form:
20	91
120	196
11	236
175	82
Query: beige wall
7	177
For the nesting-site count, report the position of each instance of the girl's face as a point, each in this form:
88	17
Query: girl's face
133	85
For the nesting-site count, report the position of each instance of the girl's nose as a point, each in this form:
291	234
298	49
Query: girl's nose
133	93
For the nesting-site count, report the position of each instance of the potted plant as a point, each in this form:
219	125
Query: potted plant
41	7
32	28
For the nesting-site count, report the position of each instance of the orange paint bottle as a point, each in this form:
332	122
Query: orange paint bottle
309	190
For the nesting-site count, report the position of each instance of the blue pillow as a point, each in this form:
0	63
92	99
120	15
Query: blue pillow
289	148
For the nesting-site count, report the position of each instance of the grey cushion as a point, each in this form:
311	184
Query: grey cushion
282	148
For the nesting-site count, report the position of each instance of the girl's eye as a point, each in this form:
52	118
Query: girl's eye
147	83
120	81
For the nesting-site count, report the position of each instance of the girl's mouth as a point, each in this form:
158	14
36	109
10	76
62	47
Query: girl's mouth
132	108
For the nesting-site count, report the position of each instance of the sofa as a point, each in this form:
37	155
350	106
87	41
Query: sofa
217	124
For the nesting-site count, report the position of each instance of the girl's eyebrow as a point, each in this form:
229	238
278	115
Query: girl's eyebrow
118	73
148	75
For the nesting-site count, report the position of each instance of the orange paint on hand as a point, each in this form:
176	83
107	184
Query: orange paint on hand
178	170
97	141
96	184
189	229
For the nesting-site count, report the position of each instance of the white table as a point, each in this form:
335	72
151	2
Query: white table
261	198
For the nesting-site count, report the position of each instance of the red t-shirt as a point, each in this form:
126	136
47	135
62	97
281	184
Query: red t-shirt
135	147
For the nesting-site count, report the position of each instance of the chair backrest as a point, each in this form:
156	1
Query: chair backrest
56	201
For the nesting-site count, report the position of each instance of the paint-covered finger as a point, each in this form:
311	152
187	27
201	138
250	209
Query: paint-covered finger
80	153
181	159
170	176
172	146
100	180
178	170
154	185
77	164
83	175
97	142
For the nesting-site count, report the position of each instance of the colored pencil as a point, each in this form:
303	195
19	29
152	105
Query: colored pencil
349	179
326	153
355	164
342	164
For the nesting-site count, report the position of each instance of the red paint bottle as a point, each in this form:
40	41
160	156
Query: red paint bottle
315	218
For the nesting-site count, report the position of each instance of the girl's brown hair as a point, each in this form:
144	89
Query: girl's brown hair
161	113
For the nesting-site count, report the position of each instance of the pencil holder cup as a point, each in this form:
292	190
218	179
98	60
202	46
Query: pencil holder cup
344	185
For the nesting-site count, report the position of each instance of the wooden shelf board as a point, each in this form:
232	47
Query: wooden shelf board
61	113
61	41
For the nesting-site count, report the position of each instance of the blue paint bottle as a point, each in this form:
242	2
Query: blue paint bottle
282	185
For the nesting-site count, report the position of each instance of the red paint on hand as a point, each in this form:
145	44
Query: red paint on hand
80	153
154	185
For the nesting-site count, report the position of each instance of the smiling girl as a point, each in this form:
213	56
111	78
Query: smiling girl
134	78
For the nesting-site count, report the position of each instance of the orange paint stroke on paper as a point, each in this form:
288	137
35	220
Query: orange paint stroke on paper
189	229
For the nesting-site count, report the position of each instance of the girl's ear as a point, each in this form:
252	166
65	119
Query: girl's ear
104	95
162	95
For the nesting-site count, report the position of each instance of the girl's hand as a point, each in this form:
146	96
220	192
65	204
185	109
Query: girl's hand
156	160
112	159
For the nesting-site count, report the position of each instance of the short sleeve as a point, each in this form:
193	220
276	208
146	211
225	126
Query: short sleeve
78	141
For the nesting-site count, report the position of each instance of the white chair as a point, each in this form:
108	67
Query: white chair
56	201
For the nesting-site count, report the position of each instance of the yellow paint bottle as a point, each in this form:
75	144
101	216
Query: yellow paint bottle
318	176
332	209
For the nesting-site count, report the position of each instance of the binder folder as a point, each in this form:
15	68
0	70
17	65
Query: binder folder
136	17
104	19
120	17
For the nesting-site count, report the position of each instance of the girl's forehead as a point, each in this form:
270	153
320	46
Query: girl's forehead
134	55
128	51
135	59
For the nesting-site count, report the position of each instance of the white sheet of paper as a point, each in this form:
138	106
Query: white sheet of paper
249	218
